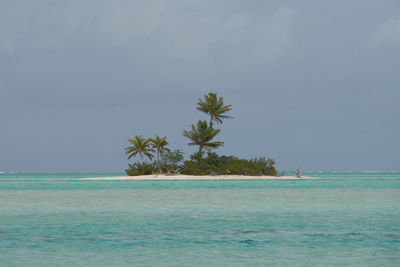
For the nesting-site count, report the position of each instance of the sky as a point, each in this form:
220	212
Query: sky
313	84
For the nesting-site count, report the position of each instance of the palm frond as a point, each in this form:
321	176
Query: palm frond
201	135
214	107
140	146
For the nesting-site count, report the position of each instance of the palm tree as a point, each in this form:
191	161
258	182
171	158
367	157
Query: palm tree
201	135
159	143
214	106
141	146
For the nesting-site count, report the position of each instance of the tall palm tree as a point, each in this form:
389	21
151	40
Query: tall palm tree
140	146
159	143
201	135
214	106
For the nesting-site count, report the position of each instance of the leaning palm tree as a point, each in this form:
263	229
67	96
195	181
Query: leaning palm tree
140	146
201	135
214	106
159	143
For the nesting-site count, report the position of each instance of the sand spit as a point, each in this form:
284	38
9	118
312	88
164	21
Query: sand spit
203	177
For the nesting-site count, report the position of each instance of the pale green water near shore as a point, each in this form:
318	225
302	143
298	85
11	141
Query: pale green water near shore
345	221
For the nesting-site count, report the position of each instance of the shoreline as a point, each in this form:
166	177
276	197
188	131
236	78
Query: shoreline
196	177
163	177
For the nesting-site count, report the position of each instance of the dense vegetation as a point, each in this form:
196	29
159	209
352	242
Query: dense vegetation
210	165
201	134
225	165
170	163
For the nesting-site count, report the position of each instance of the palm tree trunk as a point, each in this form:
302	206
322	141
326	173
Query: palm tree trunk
158	161
199	155
141	156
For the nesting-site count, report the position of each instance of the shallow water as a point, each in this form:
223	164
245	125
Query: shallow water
195	223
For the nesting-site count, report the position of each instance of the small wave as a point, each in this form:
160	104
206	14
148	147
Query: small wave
257	232
371	171
248	241
9	172
353	171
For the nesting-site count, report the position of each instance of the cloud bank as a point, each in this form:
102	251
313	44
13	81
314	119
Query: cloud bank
312	84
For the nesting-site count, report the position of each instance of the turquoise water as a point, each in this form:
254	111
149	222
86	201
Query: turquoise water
332	221
22	175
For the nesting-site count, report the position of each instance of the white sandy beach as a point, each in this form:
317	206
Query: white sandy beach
202	177
162	177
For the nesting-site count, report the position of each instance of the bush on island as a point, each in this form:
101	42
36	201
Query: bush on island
140	168
213	164
170	161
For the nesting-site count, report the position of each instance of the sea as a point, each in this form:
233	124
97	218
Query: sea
342	219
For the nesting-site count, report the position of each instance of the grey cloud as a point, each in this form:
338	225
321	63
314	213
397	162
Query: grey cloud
313	84
388	34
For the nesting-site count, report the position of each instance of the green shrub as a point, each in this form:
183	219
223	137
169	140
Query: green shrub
170	161
213	164
138	168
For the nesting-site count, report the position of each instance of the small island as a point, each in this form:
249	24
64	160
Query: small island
157	161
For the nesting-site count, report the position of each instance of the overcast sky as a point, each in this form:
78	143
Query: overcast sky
313	84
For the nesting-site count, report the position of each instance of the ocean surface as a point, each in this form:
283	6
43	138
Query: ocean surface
350	219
